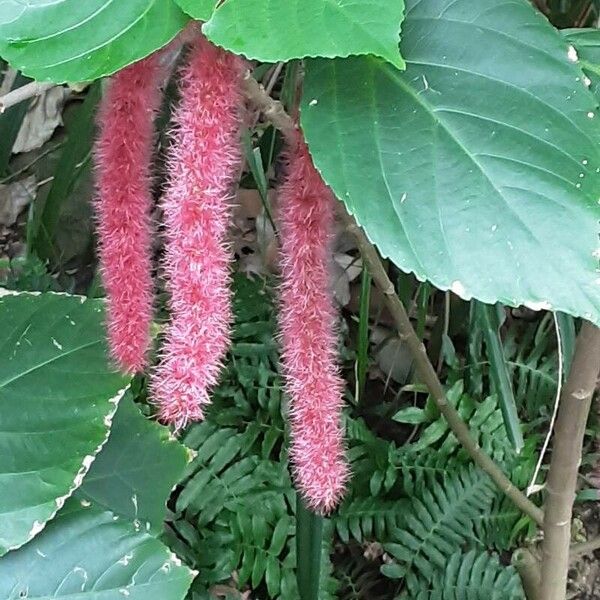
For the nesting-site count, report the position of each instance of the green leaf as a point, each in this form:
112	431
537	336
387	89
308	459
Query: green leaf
586	43
279	30
411	415
490	322
476	576
439	519
57	399
477	168
309	543
198	9
90	554
70	40
136	470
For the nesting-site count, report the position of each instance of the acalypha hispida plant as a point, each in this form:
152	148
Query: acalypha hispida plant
203	165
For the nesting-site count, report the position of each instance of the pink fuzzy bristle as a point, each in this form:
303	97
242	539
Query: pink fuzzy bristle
123	155
204	161
307	323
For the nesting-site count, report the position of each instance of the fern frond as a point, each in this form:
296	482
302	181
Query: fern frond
436	522
532	361
475	575
368	519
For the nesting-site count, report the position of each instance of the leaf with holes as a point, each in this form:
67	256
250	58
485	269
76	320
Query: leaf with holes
57	399
70	40
310	28
136	470
88	554
478	171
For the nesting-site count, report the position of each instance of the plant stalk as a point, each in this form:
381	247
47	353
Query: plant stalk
561	483
309	544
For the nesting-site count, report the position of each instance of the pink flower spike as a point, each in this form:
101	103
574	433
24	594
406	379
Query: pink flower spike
307	322
123	156
203	165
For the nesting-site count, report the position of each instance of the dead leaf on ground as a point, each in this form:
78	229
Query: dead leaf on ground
43	117
14	197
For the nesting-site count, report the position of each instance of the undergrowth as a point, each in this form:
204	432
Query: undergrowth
419	521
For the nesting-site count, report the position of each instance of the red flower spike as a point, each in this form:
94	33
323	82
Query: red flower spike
203	165
123	155
307	322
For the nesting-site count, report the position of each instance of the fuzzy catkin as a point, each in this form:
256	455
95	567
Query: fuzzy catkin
123	156
203	163
307	323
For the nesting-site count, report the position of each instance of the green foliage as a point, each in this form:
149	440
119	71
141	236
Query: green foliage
235	508
26	274
87	553
437	521
54	377
309	28
532	360
136	469
60	400
75	41
465	188
474	575
198	9
587	45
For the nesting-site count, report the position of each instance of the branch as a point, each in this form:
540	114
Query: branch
275	113
584	548
25	92
272	109
561	483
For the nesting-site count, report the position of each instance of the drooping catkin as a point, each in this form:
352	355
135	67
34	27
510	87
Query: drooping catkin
204	161
123	156
307	323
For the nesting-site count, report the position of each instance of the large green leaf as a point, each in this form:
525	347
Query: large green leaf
71	40
199	9
478	167
57	399
90	554
274	30
136	470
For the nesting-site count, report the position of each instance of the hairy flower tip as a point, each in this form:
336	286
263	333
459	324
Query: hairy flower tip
203	165
308	331
123	156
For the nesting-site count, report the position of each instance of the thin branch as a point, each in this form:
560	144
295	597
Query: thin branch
561	483
272	109
275	113
584	548
25	92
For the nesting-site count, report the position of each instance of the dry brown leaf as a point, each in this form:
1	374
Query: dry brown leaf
14	197
43	117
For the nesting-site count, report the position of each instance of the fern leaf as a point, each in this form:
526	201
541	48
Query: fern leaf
475	575
436	522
